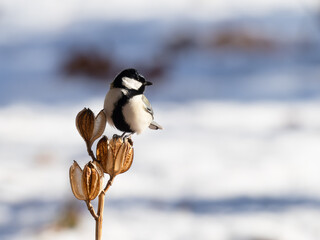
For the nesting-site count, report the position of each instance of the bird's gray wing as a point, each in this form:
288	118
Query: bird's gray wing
148	108
147	105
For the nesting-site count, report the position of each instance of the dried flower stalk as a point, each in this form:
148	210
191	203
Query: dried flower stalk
114	157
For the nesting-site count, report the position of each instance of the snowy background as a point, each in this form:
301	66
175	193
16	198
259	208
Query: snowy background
236	87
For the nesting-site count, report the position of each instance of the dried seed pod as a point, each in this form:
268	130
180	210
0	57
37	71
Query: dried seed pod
115	156
75	175
85	123
102	149
128	158
99	126
86	184
89	126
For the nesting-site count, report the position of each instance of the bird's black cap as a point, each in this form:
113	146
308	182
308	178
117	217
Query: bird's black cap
130	73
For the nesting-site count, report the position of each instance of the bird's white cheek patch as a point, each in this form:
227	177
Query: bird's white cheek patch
131	83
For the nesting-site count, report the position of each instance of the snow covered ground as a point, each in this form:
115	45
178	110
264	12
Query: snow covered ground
238	158
232	171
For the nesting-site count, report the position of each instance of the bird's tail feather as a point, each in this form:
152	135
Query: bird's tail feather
155	126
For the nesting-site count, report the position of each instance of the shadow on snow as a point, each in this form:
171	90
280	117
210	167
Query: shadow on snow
233	205
33	215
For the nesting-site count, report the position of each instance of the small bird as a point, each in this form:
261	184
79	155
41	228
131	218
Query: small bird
126	107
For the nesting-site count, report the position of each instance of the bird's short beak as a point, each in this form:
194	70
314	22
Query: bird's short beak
147	83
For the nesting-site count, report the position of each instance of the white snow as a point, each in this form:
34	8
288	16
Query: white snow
266	152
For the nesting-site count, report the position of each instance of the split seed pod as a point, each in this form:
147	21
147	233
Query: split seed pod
89	126
86	184
116	155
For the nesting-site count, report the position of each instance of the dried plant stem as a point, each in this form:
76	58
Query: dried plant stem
100	216
90	152
100	209
108	185
91	210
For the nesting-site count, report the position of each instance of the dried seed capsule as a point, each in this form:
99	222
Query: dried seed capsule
89	126
75	175
85	123
115	156
99	126
86	184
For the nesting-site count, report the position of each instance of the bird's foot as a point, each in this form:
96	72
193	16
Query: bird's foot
125	135
116	136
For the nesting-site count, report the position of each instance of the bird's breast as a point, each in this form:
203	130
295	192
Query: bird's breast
135	114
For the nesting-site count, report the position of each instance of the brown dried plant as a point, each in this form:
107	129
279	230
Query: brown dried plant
113	157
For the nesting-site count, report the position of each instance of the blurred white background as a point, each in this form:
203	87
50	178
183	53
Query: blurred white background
236	87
